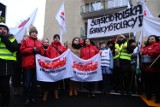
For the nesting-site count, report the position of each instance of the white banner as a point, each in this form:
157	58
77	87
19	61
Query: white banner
51	70
86	70
128	20
68	65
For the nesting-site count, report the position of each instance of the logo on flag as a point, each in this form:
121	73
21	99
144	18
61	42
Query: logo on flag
23	23
60	17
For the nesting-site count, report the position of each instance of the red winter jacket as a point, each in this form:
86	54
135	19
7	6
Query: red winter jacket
26	49
152	50
59	47
51	52
88	52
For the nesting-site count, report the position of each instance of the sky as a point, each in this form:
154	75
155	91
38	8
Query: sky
19	10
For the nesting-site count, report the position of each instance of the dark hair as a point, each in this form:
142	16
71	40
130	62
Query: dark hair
74	39
110	42
157	39
101	42
92	43
56	35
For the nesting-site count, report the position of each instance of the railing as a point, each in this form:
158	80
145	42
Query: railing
101	5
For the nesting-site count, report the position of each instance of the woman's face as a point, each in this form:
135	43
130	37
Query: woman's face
152	39
87	42
56	39
76	41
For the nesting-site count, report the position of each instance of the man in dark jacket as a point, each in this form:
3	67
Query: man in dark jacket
8	48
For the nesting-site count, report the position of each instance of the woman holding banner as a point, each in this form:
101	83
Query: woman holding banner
88	51
75	48
150	71
59	50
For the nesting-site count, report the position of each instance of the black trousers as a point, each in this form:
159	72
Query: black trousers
5	90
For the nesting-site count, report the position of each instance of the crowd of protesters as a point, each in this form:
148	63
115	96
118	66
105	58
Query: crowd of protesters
18	61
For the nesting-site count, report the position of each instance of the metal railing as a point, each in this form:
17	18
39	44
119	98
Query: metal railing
101	5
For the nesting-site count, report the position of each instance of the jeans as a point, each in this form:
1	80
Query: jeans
29	83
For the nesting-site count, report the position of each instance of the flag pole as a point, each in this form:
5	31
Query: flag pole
154	61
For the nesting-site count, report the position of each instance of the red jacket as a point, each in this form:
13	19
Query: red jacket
26	49
152	50
51	52
59	47
88	52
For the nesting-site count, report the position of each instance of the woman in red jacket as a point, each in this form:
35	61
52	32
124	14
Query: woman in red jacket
88	51
30	46
151	74
59	50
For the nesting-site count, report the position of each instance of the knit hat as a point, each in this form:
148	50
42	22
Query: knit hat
32	29
122	36
4	25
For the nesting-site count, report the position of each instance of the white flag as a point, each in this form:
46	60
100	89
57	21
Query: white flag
20	30
151	26
60	17
146	11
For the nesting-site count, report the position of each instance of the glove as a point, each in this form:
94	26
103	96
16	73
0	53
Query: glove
2	35
36	51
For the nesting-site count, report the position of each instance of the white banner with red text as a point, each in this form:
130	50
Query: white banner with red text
86	70
68	65
52	70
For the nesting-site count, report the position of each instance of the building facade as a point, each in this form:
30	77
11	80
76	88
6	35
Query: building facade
77	12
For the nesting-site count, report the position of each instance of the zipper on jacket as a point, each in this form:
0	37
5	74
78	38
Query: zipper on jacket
6	69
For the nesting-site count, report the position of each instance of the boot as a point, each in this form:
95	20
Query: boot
45	95
56	96
16	91
75	92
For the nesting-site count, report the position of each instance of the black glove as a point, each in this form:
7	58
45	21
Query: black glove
2	35
36	51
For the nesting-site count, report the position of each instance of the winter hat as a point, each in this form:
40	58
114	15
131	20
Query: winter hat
122	36
32	29
4	25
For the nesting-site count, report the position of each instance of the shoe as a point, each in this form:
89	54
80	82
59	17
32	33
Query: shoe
33	100
45	97
149	97
75	92
16	92
27	102
56	95
89	95
157	100
93	95
70	93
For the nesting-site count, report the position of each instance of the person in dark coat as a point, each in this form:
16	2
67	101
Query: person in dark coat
8	48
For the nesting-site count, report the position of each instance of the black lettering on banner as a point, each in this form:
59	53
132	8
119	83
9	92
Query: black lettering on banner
125	19
140	20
